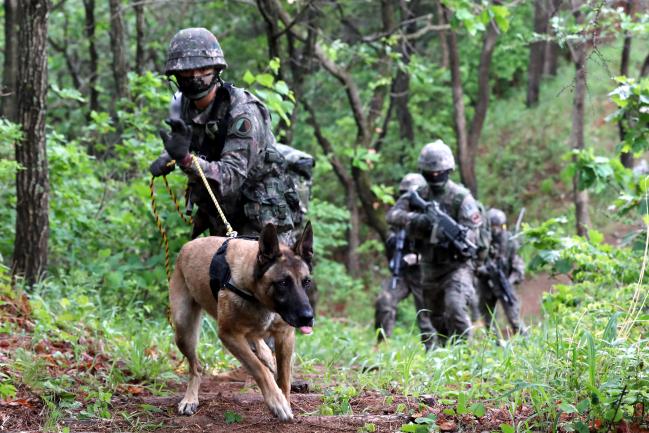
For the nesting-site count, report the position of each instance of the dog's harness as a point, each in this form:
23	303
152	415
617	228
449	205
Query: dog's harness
220	276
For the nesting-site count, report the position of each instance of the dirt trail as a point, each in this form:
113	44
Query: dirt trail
221	401
531	293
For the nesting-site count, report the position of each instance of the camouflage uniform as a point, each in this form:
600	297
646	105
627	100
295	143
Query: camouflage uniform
236	149
503	248
233	140
447	280
409	281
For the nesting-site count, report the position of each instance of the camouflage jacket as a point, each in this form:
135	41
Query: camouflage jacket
236	148
506	249
456	201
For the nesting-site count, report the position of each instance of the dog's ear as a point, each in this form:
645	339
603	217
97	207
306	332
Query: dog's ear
304	246
268	250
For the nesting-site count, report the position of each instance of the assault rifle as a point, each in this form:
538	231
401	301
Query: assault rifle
397	258
453	234
499	282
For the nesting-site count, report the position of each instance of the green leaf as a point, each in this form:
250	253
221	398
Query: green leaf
281	87
478	410
461	404
248	77
567	408
231	417
507	428
266	80
274	65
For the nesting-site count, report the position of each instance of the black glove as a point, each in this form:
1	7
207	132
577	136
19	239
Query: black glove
177	142
421	222
162	166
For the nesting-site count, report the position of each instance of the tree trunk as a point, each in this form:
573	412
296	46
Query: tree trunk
459	113
551	57
537	53
353	234
401	89
32	182
579	57
89	6
443	44
9	100
481	106
138	7
626	158
118	48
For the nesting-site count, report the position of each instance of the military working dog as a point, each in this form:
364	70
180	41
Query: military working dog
254	289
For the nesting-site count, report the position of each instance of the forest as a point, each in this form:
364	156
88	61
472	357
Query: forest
544	105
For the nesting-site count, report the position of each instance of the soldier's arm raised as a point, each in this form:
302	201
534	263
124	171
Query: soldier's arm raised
244	145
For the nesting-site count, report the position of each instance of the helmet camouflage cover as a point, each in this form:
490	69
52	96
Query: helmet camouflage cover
436	156
411	181
496	217
194	48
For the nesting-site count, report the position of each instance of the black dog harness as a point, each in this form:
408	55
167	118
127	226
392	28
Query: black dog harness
220	276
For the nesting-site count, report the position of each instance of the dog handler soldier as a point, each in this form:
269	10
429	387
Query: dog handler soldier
229	130
408	281
503	253
447	276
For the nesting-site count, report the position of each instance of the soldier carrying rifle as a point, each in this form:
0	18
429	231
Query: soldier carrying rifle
502	270
406	276
443	219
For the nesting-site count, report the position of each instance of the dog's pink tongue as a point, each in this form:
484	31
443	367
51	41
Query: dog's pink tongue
306	330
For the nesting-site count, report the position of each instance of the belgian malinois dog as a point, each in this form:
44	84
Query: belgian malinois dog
264	295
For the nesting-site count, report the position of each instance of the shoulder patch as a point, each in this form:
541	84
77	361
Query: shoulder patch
241	126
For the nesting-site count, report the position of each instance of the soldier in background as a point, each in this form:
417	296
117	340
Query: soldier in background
503	253
408	279
447	276
229	131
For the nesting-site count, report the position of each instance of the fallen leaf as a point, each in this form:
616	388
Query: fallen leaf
447	425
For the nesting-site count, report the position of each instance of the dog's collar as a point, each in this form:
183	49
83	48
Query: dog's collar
242	293
220	276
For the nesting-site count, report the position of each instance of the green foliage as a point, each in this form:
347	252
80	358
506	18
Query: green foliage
232	417
632	99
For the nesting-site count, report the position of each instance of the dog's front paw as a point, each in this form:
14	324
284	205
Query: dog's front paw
187	407
280	407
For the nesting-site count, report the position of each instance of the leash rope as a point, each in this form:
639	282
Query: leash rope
229	231
161	229
158	221
188	221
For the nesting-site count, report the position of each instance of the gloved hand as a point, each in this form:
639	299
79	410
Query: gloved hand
177	142
421	222
162	166
482	271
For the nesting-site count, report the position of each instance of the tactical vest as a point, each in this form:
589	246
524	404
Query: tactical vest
267	195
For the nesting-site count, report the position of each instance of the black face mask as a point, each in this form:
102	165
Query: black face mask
196	87
438	181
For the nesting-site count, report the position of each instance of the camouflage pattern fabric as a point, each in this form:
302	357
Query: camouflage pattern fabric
447	283
388	300
505	248
236	149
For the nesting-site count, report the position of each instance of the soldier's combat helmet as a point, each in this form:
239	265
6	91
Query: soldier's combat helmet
496	217
436	157
411	181
194	48
436	163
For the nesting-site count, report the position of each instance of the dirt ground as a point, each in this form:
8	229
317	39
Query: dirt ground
141	411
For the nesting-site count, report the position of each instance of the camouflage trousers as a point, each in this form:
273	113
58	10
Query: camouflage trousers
387	301
487	307
450	296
